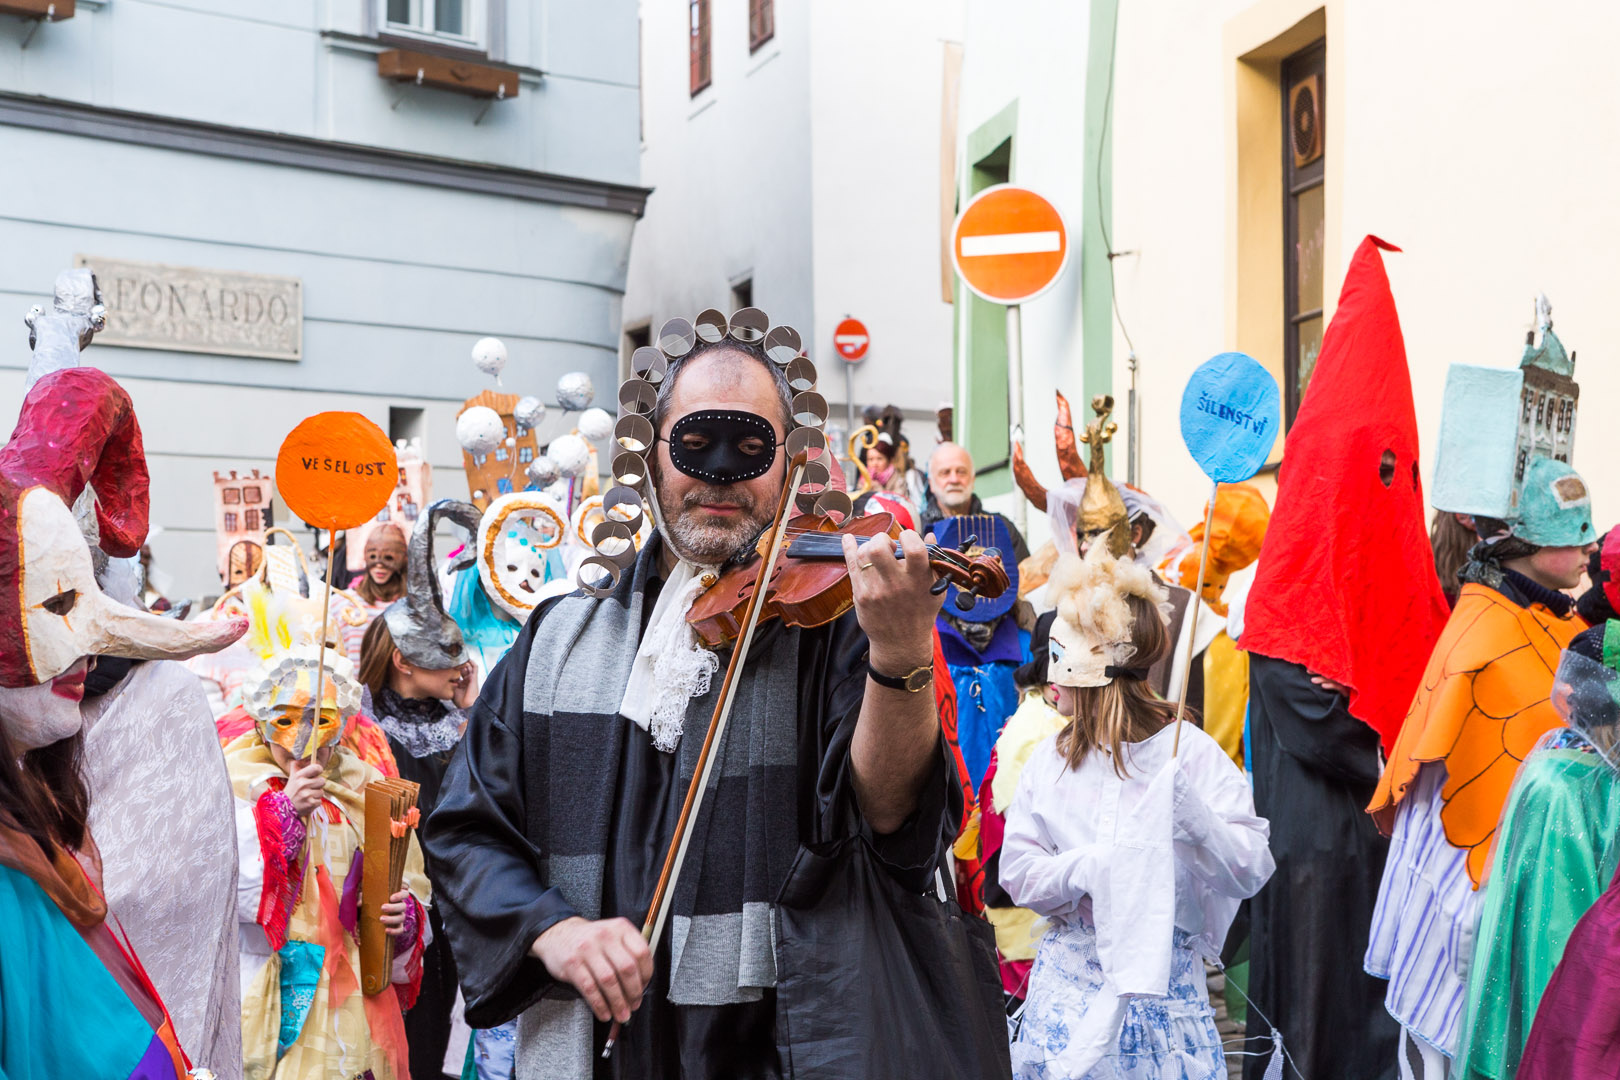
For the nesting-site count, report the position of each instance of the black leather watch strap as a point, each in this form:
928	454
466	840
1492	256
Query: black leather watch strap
911	682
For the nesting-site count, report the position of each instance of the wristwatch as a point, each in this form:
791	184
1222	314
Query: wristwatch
911	682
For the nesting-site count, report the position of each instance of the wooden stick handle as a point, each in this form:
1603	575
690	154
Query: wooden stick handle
1192	630
676	856
326	615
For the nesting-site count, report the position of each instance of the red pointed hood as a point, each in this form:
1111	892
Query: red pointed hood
1346	585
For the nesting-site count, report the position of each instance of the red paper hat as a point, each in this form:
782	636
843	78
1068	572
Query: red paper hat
77	427
1346	585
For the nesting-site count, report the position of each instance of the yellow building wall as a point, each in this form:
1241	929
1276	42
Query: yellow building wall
1478	138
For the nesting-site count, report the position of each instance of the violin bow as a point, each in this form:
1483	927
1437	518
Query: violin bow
658	914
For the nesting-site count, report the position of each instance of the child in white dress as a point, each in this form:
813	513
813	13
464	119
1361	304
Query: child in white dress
1136	848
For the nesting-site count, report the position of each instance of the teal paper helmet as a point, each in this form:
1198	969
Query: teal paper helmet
1555	507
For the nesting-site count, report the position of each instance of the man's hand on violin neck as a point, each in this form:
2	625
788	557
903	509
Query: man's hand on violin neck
892	600
607	961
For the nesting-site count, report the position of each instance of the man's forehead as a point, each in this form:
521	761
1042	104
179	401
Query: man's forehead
726	381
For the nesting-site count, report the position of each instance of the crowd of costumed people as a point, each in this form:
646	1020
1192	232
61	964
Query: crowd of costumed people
435	797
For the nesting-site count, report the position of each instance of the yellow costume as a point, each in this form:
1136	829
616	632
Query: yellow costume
343	1033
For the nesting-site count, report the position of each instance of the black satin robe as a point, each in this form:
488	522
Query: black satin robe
1315	768
483	842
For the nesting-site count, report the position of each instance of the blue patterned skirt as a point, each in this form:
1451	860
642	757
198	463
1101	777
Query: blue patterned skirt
1169	1038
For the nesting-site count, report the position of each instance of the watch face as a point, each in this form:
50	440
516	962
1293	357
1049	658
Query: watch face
919	678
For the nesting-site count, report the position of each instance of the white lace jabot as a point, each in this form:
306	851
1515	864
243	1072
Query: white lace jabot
671	667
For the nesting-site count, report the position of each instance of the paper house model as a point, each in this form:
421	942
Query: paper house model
1496	421
502	471
241	515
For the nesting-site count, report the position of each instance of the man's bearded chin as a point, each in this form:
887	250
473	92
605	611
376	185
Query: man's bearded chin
957	502
711	542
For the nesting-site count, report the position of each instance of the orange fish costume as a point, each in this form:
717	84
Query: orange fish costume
1482	706
1506	437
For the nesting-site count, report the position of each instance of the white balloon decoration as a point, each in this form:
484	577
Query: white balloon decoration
575	390
490	356
571	453
542	472
529	411
480	430
596	424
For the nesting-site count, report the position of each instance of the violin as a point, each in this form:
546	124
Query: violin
809	586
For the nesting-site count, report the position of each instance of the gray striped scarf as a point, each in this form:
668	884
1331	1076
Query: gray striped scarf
744	838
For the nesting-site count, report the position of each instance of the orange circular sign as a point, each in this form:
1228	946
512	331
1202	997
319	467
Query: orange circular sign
336	470
1009	244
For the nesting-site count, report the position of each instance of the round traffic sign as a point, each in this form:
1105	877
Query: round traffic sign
850	340
1009	244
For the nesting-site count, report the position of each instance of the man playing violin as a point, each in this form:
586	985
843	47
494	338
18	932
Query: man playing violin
556	813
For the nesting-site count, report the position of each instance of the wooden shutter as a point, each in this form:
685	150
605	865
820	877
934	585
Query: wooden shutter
761	22
700	44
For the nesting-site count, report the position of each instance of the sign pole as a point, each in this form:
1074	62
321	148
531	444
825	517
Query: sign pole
849	396
1015	404
1192	630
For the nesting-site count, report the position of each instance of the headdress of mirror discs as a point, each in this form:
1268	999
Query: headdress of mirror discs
623	507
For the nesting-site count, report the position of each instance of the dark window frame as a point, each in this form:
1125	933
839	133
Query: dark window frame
700	45
1311	60
761	23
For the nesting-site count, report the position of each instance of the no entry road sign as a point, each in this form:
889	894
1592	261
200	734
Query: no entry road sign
850	340
1009	244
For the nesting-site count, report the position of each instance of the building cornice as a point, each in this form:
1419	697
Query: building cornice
320	155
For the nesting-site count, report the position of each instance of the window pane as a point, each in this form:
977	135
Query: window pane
1309	235
1310	346
399	11
450	17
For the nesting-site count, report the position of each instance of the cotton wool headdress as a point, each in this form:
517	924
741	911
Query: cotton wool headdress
1092	610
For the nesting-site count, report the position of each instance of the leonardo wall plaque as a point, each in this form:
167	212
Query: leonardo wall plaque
153	306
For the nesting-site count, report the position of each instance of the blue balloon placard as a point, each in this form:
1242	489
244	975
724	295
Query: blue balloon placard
1230	415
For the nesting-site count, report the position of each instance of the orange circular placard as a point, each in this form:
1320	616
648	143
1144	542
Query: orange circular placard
336	470
1009	244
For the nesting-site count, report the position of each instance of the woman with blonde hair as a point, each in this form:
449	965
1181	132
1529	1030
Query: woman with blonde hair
1135	839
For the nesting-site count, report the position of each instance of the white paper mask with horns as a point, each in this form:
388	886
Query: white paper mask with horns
77	428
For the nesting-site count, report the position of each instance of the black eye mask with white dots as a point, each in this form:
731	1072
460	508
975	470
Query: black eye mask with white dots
722	446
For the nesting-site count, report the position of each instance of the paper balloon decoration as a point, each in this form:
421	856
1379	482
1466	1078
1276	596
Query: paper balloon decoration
480	430
575	391
336	470
571	453
542	472
529	411
490	356
1230	417
595	424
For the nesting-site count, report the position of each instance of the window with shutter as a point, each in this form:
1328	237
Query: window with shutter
761	23
1304	82
700	45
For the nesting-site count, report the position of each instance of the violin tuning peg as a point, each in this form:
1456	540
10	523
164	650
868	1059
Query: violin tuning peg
965	600
969	542
939	586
